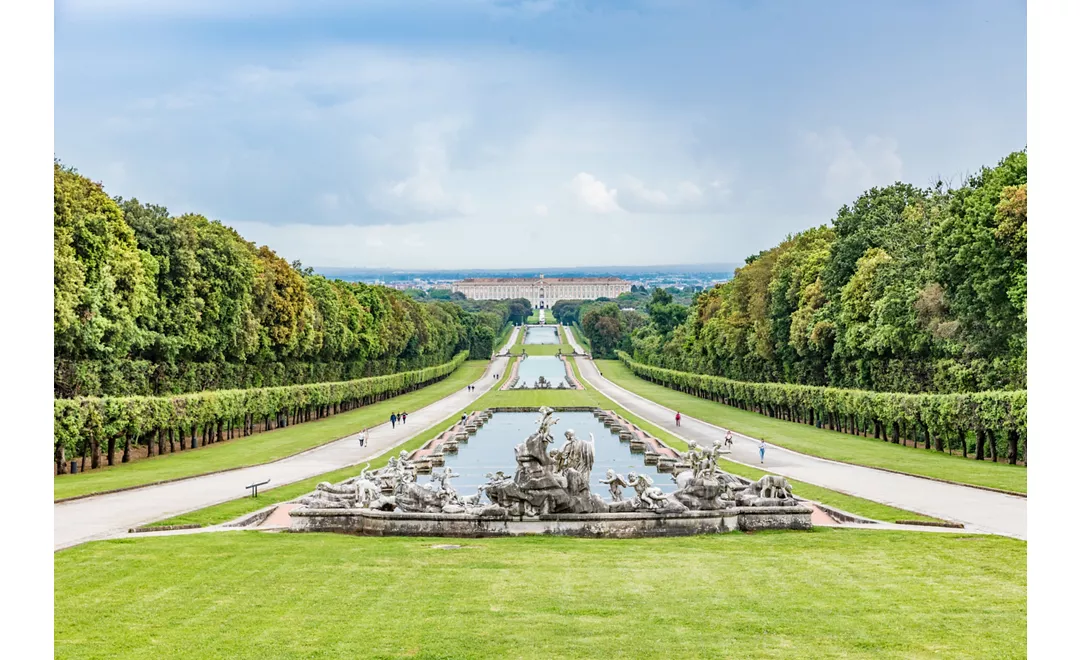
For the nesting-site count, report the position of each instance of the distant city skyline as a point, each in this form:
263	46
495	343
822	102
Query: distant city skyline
491	133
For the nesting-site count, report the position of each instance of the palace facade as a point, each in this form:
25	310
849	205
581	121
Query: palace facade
540	291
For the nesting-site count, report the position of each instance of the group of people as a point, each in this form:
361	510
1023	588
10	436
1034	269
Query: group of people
397	417
727	438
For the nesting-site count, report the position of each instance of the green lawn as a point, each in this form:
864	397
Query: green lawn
261	447
826	593
824	443
582	340
534	316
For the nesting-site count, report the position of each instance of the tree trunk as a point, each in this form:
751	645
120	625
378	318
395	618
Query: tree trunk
172	442
110	447
963	441
150	445
992	441
877	429
95	452
127	450
980	444
1013	440
160	442
896	433
939	444
61	459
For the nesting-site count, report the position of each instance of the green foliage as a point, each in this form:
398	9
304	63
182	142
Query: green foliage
148	303
910	290
82	421
939	418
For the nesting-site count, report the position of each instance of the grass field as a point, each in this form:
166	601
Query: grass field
824	443
826	593
582	340
261	447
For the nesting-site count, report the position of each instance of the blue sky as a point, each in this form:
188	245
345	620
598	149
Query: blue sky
489	133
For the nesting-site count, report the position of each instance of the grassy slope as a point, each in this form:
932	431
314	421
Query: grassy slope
826	593
582	340
261	447
824	443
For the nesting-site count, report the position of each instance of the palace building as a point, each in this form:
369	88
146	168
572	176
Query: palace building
540	291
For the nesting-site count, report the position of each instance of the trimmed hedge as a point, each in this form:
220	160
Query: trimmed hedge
130	377
86	424
997	420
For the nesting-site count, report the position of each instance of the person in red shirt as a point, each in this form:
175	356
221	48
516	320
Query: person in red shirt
678	419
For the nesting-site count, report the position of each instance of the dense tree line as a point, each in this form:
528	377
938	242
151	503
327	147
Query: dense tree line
150	303
908	290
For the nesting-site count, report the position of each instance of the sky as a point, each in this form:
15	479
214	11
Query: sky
531	133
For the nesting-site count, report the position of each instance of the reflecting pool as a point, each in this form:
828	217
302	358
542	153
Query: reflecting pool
492	448
548	334
550	367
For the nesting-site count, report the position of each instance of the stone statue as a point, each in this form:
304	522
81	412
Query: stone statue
615	484
551	482
576	454
647	495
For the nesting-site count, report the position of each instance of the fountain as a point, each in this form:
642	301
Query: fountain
549	493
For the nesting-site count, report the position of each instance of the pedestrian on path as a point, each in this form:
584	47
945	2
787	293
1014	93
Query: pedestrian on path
393	420
363	437
761	450
678	419
403	416
727	440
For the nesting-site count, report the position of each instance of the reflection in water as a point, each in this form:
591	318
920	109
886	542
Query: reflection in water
550	367
541	335
492	448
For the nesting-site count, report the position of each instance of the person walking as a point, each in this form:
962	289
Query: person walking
393	420
363	437
403	416
761	450
727	440
678	419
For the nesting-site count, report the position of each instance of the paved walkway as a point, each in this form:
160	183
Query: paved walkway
978	510
98	517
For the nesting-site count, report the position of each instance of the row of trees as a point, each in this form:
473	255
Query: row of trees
148	303
908	290
86	425
942	422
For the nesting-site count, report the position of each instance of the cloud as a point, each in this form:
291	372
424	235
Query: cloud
594	194
540	209
683	197
850	169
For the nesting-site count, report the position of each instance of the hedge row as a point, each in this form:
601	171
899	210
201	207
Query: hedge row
85	424
997	420
127	377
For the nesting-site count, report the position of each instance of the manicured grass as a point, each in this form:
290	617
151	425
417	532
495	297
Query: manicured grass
503	337
826	593
582	340
534	316
824	443
261	447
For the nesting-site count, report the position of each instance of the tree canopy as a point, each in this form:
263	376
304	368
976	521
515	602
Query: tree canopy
908	290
